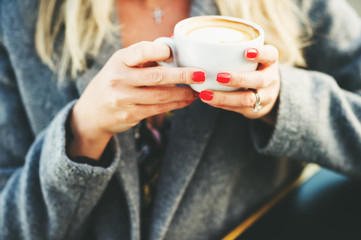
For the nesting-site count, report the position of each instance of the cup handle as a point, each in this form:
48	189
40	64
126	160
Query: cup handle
171	44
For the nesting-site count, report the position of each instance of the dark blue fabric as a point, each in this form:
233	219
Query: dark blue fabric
325	207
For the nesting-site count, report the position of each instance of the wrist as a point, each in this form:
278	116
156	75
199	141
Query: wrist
84	141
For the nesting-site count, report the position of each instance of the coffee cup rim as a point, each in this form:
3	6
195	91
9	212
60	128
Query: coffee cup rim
234	19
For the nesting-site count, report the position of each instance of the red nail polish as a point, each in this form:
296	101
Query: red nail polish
223	77
251	53
206	95
199	76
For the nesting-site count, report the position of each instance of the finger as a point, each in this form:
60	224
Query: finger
159	95
239	99
255	80
144	52
155	109
165	76
265	55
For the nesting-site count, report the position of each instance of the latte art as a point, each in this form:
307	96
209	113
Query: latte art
212	29
220	35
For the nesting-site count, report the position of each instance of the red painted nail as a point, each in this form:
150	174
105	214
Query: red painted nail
199	76
206	95
223	77
251	53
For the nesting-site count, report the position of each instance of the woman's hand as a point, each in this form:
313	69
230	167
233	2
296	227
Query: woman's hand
266	81
124	92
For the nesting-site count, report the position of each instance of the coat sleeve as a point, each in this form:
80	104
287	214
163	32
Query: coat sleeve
43	194
319	115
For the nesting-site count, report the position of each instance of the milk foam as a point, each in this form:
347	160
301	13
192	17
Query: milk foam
218	35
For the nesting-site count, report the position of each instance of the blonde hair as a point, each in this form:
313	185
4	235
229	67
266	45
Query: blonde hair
87	23
286	26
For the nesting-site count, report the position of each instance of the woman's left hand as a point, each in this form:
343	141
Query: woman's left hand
266	82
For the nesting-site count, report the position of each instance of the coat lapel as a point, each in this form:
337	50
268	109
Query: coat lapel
191	129
129	180
127	173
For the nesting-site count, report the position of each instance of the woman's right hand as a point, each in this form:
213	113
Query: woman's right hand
124	92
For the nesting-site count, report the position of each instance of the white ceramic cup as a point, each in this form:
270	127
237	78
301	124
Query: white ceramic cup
213	56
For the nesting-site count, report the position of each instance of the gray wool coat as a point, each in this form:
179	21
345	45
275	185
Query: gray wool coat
219	166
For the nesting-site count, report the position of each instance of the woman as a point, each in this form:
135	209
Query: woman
73	169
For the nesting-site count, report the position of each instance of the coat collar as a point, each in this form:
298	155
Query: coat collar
191	129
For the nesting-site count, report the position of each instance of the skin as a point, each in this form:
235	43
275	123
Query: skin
131	87
123	93
266	80
142	28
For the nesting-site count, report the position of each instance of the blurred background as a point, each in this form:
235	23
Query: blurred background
356	4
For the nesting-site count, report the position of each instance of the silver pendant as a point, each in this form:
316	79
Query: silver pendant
157	14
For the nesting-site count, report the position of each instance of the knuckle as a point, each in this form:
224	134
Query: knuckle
241	79
117	79
262	81
118	102
157	77
123	56
266	80
220	100
187	93
162	95
139	45
275	52
272	53
249	99
113	83
118	54
136	51
183	77
119	58
143	48
125	117
142	51
145	44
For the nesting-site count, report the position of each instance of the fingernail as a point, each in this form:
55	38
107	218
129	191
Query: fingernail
206	95
223	77
199	76
251	53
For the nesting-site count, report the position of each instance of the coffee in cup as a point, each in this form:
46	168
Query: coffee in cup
216	30
214	44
